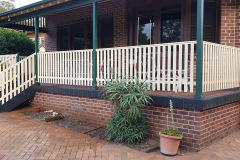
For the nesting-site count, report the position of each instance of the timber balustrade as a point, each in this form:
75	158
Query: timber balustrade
8	62
166	67
17	78
5	57
221	67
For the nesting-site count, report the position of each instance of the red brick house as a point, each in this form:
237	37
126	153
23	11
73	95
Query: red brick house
186	49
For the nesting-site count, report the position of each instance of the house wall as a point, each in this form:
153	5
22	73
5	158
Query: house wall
230	23
200	128
238	24
32	35
117	7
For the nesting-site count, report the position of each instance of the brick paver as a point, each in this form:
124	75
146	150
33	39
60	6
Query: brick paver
22	137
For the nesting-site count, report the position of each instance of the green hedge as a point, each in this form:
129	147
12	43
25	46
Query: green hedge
12	41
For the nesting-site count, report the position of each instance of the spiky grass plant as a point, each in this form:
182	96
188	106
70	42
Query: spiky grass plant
127	124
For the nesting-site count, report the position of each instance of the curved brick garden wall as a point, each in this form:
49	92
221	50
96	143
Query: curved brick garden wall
200	128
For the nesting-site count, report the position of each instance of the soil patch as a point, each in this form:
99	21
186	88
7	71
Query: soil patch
85	127
90	129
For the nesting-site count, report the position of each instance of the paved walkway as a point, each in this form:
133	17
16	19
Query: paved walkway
23	138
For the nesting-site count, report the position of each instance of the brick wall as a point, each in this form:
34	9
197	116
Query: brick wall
200	128
238	24
230	23
95	110
117	7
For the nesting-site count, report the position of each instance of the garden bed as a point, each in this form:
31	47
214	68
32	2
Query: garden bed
93	130
85	127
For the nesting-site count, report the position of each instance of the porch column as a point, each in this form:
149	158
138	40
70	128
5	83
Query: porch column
95	45
199	68
36	45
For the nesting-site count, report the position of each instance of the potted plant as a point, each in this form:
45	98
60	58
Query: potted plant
170	138
36	109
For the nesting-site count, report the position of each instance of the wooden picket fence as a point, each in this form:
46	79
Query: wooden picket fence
67	67
17	78
221	67
166	67
5	57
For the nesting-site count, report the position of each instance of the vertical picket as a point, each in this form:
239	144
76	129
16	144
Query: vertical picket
149	65
115	63
144	73
174	73
123	63
135	63
153	68
164	68
139	64
169	58
191	67
158	67
180	69
127	63
108	65
186	68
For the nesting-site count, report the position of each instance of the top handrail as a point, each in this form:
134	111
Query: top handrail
125	47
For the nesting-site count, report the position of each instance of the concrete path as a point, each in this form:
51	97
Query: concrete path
22	137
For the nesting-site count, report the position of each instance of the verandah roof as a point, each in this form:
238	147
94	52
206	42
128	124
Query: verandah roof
41	8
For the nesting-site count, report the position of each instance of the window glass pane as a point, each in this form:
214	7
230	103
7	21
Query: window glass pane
107	34
89	37
78	37
146	27
64	39
171	27
78	41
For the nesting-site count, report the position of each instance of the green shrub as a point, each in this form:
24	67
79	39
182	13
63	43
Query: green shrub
129	95
12	41
127	124
123	129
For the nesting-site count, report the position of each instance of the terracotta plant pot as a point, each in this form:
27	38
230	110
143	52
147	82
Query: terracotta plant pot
36	109
169	144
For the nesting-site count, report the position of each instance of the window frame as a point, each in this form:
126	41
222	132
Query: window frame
136	6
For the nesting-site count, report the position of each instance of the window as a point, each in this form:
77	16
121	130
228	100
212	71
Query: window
171	27
146	27
41	42
107	34
209	30
171	23
80	36
63	39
